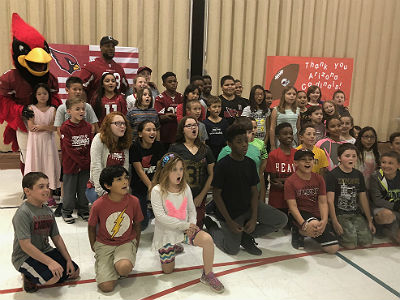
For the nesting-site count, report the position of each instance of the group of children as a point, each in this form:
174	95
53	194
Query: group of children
182	151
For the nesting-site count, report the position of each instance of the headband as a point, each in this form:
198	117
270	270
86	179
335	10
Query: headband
166	159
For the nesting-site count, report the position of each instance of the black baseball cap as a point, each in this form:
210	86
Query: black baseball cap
108	39
144	68
303	152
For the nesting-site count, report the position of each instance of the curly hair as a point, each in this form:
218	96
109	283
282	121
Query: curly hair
107	136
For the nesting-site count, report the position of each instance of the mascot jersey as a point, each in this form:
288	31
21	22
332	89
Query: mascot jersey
31	58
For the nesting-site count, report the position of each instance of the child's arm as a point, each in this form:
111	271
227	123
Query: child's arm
262	181
331	204
31	125
365	207
267	129
92	236
251	224
49	127
324	211
377	194
272	129
200	197
233	226
276	182
138	229
60	245
55	268
142	175
298	127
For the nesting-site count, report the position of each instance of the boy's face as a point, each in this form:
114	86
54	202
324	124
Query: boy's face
309	136
238	88
396	144
348	159
195	110
285	136
140	83
176	175
339	99
239	144
228	88
389	165
304	164
120	185
215	109
74	90
40	192
171	83
77	112
200	85
207	86
253	132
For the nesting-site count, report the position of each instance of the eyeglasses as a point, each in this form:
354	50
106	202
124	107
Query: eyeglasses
119	124
191	126
368	137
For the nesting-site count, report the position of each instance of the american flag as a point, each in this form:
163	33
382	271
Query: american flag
69	59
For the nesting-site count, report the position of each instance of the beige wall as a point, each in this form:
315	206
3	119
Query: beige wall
241	33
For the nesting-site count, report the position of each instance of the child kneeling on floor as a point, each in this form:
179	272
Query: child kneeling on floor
175	219
117	216
34	223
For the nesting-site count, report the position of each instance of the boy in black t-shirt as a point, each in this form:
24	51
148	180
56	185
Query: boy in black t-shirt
241	215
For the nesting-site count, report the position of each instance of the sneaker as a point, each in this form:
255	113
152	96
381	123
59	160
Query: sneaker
29	286
297	239
58	212
212	281
84	216
51	202
210	223
68	219
178	248
249	244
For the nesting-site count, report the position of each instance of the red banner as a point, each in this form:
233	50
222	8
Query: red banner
68	60
329	73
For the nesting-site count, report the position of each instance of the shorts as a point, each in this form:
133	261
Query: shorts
107	256
167	252
327	238
39	273
355	231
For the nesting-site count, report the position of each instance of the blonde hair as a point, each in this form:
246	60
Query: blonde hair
165	166
73	101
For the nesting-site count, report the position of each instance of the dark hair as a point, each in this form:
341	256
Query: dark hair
207	76
225	78
98	107
312	89
233	131
141	126
267	91
73	79
245	122
108	175
346	146
328	122
30	179
279	127
393	136
392	154
237	80
35	89
360	147
357	127
196	77
338	92
166	75
180	135
139	97
253	102
304	127
189	88
212	100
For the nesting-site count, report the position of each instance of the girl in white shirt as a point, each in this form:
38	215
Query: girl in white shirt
175	219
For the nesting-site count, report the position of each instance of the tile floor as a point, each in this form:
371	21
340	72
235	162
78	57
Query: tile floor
280	273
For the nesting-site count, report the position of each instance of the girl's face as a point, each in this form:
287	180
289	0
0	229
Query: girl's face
175	176
339	99
328	108
146	98
316	117
190	129
347	125
301	99
118	126
268	99
348	159
356	132
109	83
308	137
259	96
368	139
314	96
290	97
42	95
193	95
334	128
148	134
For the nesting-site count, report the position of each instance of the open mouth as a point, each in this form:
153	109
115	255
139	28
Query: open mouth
38	67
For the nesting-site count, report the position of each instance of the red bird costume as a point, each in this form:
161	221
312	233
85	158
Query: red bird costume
31	58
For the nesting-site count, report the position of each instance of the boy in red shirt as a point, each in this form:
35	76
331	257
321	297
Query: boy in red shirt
76	138
117	216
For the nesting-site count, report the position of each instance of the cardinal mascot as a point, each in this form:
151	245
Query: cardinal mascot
31	58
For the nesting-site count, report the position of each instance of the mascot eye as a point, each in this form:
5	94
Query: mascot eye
285	82
21	48
46	47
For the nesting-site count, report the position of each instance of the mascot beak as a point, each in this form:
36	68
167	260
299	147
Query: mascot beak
36	61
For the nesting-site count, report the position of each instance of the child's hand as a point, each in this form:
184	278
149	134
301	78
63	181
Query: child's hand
56	269
250	226
338	228
371	227
197	201
321	227
70	268
234	227
33	128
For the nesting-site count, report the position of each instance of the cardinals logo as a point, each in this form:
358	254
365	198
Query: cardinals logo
65	61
